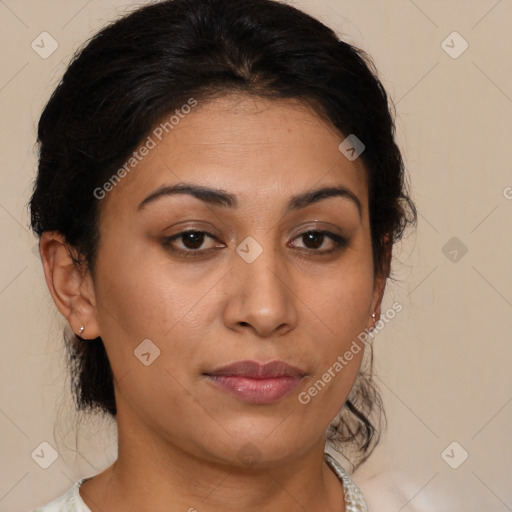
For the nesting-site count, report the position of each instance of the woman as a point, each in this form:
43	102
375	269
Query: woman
218	194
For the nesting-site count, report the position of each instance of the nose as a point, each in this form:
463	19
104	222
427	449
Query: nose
261	295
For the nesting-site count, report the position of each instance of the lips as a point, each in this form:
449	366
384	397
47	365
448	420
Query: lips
257	383
255	370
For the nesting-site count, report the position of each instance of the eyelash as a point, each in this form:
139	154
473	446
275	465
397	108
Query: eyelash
339	243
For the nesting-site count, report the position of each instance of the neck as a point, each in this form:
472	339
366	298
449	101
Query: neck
164	475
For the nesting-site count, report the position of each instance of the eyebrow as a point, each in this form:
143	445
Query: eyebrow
219	197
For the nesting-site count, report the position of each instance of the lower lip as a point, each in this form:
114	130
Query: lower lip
256	391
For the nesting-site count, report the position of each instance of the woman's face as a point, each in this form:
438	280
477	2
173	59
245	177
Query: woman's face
256	285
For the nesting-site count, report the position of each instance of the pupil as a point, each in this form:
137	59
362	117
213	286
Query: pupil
193	239
314	236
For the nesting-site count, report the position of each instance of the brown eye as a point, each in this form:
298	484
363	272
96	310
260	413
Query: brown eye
192	239
192	242
315	239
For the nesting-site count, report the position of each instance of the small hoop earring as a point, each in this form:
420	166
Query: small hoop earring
81	330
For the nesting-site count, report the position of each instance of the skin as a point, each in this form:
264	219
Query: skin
179	436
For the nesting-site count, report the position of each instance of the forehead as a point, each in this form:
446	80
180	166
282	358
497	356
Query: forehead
257	149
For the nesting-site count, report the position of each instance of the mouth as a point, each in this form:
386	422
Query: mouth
257	383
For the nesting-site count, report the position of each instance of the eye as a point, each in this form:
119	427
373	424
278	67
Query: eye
314	239
192	240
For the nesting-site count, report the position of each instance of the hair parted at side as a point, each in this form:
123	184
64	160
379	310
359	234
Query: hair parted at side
145	65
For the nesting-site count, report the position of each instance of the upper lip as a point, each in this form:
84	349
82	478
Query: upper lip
256	370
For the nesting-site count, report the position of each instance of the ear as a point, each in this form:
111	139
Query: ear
70	285
380	283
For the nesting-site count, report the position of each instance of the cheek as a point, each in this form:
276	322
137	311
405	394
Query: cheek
150	301
340	304
139	294
340	314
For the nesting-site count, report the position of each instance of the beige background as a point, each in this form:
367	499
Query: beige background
443	363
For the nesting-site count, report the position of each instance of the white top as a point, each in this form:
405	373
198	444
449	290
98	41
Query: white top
71	501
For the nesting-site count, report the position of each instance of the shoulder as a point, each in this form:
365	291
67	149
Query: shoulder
391	490
70	501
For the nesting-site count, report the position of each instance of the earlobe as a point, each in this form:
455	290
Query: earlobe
380	284
375	310
70	286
